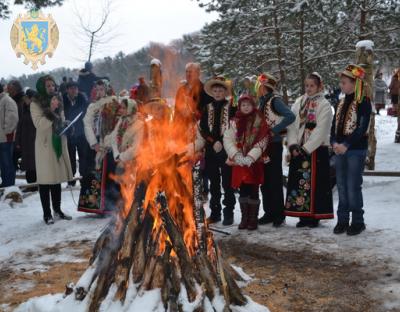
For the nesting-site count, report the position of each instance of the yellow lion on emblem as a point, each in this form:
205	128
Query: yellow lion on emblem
35	37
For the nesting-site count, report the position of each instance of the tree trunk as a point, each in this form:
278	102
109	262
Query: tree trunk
301	52
279	56
91	47
365	58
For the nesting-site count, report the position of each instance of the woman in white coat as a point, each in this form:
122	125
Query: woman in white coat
309	194
52	161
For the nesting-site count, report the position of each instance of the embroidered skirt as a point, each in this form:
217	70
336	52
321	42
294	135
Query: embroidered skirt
309	192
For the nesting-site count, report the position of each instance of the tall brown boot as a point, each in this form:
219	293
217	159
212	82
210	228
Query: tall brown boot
254	205
244	208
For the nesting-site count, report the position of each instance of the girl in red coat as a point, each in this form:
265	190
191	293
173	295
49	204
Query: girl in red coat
245	143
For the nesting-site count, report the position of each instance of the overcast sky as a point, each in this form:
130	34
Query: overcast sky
139	22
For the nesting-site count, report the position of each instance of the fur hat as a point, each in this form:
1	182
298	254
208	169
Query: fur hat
216	81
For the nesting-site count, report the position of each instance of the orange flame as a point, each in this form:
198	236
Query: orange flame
158	164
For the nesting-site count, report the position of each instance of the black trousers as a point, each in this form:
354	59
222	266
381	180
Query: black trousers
79	145
272	189
30	176
217	170
113	192
44	191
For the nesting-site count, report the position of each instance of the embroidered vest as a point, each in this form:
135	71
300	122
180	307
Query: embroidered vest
271	117
224	123
350	117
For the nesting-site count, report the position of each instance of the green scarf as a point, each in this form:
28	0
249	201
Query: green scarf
57	145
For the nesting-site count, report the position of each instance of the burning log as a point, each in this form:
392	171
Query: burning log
178	245
125	253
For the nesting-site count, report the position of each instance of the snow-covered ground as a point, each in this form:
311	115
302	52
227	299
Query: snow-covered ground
23	232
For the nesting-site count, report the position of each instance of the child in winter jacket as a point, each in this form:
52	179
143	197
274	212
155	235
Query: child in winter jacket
245	143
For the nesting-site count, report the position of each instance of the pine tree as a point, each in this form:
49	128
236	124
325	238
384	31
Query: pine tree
293	38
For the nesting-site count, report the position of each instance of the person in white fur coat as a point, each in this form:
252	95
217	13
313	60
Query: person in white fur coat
309	194
100	120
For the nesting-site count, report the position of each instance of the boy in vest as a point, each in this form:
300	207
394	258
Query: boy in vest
213	123
278	117
349	139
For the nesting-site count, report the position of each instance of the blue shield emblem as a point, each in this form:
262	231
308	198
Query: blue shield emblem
35	36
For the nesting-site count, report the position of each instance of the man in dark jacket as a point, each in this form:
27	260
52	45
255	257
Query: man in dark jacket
87	79
14	89
25	140
63	85
74	103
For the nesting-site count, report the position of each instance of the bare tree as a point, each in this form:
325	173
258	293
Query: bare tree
94	29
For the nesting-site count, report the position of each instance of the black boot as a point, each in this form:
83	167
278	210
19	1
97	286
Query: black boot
341	227
228	216
313	223
56	201
265	219
244	208
397	137
49	220
355	229
302	223
278	222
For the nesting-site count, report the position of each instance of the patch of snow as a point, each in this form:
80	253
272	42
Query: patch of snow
367	44
155	61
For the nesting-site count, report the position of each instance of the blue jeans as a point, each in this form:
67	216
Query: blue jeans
349	169
7	164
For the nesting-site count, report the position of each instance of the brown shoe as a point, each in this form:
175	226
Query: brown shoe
254	205
245	212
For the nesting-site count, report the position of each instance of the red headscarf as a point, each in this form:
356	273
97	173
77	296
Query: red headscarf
251	128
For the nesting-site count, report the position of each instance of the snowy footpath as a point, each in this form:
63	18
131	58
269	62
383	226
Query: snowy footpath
23	232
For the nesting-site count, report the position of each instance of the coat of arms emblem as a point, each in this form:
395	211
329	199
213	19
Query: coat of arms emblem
34	36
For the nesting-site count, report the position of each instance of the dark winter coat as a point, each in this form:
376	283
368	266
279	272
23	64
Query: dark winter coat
25	139
86	81
72	109
20	101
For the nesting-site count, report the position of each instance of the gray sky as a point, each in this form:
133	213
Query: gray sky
139	22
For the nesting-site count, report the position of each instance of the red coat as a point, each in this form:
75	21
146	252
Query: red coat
248	175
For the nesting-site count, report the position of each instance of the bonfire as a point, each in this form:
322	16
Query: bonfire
157	253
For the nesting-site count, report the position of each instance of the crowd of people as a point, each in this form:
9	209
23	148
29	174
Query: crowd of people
240	145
